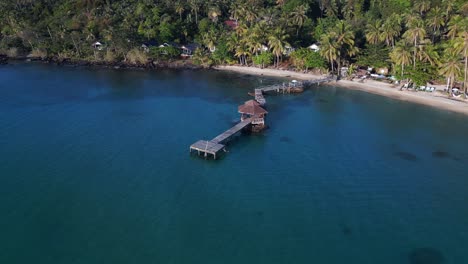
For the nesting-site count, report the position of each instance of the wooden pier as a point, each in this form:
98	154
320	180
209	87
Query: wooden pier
287	88
251	115
214	146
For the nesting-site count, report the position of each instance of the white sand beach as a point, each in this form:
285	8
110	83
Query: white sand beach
435	99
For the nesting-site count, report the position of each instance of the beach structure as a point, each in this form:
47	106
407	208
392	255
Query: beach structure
97	45
189	49
148	44
216	145
293	86
252	117
253	111
315	47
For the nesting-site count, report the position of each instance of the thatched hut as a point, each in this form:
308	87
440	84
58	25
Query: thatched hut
252	109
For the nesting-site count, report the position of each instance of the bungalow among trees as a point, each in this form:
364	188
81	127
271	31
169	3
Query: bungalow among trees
189	49
314	47
98	46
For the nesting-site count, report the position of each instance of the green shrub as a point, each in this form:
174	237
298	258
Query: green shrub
136	56
263	59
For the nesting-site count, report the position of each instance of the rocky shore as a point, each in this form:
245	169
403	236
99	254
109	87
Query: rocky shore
174	64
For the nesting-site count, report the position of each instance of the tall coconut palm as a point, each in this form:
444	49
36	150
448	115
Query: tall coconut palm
195	8
454	26
373	32
461	47
448	6
250	13
435	20
450	68
214	12
209	39
390	30
415	33
427	53
299	16
344	37
179	7
242	52
280	2
422	6
401	55
277	42
329	49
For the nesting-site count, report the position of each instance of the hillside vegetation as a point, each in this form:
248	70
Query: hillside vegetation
419	40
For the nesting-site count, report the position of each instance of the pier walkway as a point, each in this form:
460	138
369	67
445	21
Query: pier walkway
215	145
283	88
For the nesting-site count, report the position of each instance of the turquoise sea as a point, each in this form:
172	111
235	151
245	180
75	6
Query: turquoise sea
95	168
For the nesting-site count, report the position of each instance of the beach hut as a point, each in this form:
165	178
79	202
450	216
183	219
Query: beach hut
252	109
189	49
314	47
98	45
146	46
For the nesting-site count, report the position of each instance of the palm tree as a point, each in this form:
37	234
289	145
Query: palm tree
344	37
242	53
461	47
435	20
454	26
250	14
427	53
298	17
422	6
391	29
195	8
236	11
401	55
329	49
280	2
214	12
450	68
448	6
209	39
415	33
179	8
373	32
277	42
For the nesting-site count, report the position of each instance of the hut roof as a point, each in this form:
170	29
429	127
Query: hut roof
251	107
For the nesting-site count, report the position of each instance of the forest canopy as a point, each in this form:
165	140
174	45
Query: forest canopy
415	39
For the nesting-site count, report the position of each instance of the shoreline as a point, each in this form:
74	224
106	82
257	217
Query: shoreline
435	99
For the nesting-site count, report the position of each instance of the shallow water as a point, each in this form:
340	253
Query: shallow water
94	168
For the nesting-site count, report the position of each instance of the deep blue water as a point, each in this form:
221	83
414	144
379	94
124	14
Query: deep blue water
95	168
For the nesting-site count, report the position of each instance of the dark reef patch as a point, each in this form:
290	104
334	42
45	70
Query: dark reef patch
426	256
406	156
346	230
440	154
286	139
